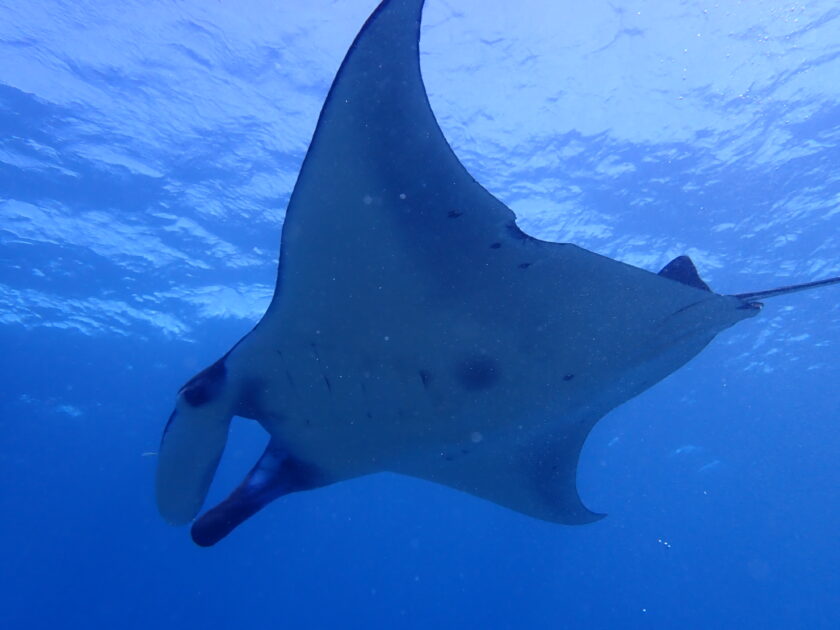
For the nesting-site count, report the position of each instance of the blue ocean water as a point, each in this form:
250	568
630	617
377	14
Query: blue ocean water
147	153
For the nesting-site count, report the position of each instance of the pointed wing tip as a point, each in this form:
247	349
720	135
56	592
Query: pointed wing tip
583	516
594	517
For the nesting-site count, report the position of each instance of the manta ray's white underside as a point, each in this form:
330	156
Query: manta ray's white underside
416	329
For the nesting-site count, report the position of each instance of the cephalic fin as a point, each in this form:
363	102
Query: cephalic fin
277	473
189	454
192	443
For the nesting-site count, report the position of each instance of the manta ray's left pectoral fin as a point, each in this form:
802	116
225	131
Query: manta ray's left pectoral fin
277	473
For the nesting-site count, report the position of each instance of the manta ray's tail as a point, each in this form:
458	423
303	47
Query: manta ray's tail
682	270
793	288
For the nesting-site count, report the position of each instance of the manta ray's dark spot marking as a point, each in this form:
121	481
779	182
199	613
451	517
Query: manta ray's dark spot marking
425	378
327	383
568	377
477	373
524	265
495	245
205	385
454	214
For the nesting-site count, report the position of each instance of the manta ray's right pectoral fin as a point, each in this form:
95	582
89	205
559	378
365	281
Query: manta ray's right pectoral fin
277	473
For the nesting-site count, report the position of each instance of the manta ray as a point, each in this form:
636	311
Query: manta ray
416	329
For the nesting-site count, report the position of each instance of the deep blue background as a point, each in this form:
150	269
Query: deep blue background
147	151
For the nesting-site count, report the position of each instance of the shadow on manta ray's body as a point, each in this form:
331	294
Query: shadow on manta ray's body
415	329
